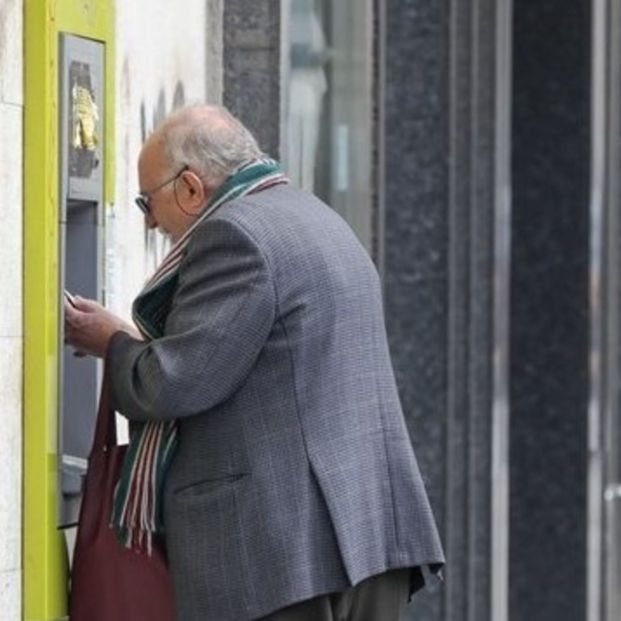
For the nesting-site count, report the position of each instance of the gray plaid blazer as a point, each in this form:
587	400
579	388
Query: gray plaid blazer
294	473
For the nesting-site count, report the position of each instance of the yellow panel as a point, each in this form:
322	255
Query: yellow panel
44	558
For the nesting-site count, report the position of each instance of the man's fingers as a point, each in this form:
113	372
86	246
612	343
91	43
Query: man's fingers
85	305
73	316
70	312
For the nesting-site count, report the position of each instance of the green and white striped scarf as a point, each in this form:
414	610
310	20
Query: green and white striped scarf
137	511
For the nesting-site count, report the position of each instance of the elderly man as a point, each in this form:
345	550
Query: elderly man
283	476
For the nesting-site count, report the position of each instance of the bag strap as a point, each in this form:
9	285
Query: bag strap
105	427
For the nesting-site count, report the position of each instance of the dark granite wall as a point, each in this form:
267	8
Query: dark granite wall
549	309
416	235
438	273
251	59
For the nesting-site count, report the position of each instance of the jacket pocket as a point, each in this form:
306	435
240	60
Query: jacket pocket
208	486
205	545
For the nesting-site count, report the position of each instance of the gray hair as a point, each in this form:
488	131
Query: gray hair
208	139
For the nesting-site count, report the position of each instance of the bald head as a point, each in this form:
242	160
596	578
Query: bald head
208	139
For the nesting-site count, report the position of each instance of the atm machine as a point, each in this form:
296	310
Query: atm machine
69	77
81	183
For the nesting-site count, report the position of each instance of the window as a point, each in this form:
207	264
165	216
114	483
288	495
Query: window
327	143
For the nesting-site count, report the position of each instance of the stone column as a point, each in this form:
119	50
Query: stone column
252	67
549	309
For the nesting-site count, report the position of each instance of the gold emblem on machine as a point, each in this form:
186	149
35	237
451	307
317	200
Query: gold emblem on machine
85	119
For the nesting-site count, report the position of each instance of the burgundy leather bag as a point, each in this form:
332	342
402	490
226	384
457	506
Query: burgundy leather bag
110	582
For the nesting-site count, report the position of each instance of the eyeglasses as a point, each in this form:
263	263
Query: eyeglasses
144	198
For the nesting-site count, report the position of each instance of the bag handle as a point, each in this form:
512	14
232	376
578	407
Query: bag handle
105	427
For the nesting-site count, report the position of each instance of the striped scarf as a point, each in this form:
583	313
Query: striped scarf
137	510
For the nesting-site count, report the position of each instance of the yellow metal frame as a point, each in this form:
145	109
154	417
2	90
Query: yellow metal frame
44	558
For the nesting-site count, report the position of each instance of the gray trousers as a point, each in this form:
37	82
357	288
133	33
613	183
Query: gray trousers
379	598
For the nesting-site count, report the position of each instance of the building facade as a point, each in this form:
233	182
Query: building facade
473	145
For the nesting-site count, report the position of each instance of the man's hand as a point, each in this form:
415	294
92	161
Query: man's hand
89	327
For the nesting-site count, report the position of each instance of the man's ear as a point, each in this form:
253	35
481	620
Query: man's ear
190	193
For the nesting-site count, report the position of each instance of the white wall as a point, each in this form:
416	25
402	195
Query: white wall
11	331
163	49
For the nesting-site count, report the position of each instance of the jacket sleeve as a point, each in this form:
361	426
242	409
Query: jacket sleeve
220	318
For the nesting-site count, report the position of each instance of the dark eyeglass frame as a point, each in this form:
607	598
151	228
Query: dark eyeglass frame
143	199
